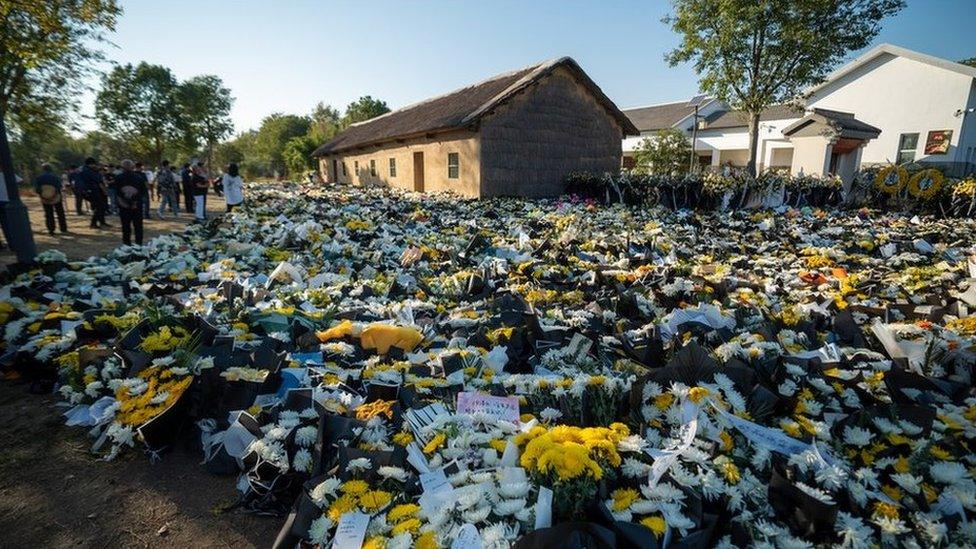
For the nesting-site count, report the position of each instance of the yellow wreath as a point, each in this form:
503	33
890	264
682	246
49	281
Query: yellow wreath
891	180
925	184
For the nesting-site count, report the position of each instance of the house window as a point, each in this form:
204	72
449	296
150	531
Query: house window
453	165
907	144
344	169
372	168
393	167
355	167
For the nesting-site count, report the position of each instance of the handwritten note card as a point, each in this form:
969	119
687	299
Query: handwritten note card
351	531
503	408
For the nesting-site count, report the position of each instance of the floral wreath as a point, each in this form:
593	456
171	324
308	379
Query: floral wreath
925	184
890	180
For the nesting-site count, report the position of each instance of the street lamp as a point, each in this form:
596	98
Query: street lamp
16	222
695	102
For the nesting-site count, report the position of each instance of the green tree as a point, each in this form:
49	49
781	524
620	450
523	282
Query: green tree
326	123
667	153
362	109
298	154
971	61
756	53
204	113
275	131
140	103
47	48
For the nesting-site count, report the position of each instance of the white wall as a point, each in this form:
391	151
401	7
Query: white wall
900	95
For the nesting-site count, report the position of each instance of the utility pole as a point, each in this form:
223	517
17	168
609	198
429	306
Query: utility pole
16	226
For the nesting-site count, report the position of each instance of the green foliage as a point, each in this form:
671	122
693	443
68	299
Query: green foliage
970	62
363	109
47	51
298	154
757	53
148	108
140	104
666	154
204	112
269	143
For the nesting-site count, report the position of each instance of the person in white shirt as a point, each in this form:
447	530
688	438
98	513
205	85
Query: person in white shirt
233	187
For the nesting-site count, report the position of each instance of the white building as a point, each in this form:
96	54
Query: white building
890	105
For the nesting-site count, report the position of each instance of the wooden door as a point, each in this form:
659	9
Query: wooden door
335	171
418	172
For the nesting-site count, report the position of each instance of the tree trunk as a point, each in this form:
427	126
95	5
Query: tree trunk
753	142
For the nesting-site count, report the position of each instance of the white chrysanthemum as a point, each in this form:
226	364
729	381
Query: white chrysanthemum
632	443
891	527
358	465
319	531
391	472
302	462
508	507
947	472
121	435
513	490
476	515
324	490
815	493
909	482
305	436
633	468
854	534
856	436
549	415
401	541
94	388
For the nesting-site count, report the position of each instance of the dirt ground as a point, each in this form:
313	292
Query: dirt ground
54	493
81	241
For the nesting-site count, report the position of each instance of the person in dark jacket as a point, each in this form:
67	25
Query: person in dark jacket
48	187
79	194
93	189
186	182
131	193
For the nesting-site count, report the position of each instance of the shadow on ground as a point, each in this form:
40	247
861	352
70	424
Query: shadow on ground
54	493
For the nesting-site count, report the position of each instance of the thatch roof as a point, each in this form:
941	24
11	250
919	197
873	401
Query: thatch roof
462	108
658	117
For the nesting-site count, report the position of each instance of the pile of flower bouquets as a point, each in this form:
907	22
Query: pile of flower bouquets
389	369
916	188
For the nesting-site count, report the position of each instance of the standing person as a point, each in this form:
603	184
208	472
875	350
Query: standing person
48	187
167	188
132	194
233	187
186	182
110	191
145	175
93	186
79	194
200	184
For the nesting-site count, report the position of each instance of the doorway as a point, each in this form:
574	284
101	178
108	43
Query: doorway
418	172
335	171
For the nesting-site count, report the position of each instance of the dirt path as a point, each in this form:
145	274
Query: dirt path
54	493
82	242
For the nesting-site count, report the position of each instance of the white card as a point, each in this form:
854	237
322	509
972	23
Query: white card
467	538
350	531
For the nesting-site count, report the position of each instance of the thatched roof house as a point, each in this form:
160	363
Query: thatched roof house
518	133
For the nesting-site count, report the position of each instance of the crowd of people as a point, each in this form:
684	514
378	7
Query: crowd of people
127	190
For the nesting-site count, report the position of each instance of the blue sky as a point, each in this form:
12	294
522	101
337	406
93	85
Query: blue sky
287	55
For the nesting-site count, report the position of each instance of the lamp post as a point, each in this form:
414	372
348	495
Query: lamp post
16	226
